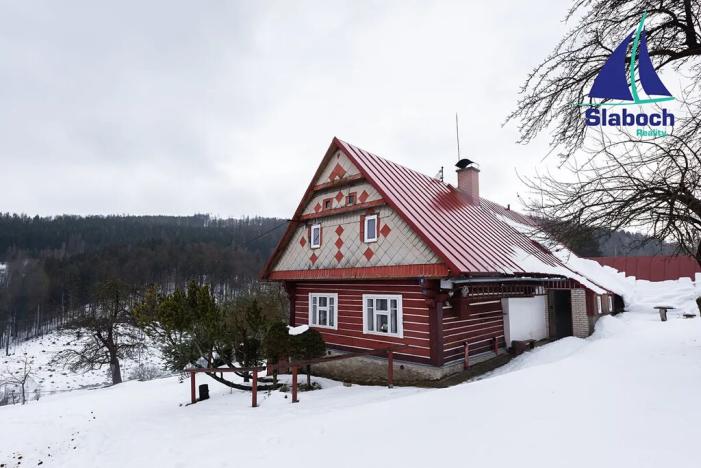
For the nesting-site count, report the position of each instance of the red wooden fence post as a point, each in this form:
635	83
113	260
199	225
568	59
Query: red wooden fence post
254	389
496	345
294	385
193	395
390	368
466	361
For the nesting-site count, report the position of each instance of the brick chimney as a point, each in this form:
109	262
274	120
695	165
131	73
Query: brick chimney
469	180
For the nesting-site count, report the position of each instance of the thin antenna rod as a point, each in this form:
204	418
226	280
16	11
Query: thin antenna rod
457	134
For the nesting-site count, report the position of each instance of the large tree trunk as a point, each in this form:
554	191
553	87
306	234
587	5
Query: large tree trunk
116	370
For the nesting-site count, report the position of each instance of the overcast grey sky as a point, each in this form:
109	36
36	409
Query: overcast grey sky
177	107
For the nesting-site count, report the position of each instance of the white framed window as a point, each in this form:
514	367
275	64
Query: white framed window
323	310
382	314
315	236
598	304
610	303
370	228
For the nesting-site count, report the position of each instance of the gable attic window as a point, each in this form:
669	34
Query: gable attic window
315	236
350	199
322	310
370	228
328	203
382	314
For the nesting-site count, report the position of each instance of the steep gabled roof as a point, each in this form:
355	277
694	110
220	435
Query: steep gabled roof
471	239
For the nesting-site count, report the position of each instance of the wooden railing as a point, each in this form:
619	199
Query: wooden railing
295	366
466	349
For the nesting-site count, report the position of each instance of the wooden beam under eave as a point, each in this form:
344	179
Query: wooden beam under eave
350	180
343	209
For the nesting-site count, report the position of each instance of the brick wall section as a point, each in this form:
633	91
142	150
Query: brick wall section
580	321
548	314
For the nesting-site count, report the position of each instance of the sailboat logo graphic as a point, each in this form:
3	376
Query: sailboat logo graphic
612	83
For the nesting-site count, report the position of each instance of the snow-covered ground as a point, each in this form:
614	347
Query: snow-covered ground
625	397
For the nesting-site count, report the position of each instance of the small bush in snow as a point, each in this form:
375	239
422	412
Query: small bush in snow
302	387
145	372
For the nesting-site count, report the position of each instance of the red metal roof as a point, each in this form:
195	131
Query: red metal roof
654	268
470	238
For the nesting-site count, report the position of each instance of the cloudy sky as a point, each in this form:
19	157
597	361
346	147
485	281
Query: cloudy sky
178	107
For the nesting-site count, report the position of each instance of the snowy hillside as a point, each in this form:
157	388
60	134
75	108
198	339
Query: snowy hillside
49	379
625	397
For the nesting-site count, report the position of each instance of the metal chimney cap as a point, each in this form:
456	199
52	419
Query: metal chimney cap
463	163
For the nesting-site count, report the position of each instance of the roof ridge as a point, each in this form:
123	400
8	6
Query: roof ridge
389	161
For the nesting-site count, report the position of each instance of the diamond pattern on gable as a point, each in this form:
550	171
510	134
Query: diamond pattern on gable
339	201
400	247
302	241
385	230
313	258
337	172
338	256
317	207
339	243
363	196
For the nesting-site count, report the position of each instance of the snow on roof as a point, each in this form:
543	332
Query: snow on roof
587	272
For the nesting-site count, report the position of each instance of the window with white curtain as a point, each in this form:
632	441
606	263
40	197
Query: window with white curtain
323	310
382	314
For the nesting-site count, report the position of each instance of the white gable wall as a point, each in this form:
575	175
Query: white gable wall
400	246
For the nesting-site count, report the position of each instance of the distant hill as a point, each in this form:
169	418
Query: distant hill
54	263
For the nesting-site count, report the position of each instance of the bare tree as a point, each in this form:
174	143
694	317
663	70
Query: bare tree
643	185
20	378
614	181
105	333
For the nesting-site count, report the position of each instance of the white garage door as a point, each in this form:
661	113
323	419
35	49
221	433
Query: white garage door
524	318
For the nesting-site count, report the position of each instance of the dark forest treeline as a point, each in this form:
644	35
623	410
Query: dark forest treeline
54	264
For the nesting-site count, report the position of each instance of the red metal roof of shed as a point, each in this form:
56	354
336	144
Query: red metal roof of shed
654	268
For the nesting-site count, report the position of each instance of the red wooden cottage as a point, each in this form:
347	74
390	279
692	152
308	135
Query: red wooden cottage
378	254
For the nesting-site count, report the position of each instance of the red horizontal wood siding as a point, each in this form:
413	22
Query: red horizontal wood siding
349	334
485	321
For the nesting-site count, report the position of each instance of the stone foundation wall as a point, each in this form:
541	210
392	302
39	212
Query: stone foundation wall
372	370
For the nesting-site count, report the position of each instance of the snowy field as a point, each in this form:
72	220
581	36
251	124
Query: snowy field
625	397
